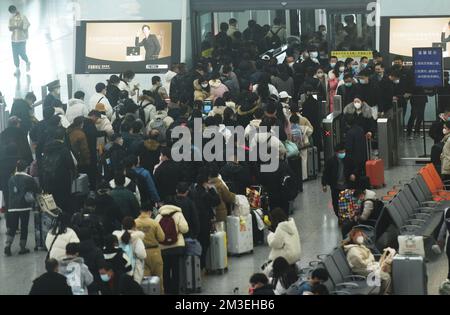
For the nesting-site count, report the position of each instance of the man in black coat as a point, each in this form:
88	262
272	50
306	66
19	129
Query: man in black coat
116	284
339	174
349	90
53	98
51	282
190	213
356	145
22	108
14	135
311	111
92	134
58	170
167	176
150	43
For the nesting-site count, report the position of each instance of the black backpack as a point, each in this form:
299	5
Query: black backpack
289	184
275	40
378	207
50	168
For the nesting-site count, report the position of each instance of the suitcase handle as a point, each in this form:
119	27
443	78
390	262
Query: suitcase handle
369	149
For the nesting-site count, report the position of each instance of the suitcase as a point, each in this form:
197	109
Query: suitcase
80	185
296	166
240	235
409	275
151	285
190	275
43	223
313	163
374	170
216	257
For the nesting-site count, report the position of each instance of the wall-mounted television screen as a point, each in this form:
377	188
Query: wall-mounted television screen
399	35
116	46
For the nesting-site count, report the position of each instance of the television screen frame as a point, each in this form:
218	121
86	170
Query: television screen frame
86	65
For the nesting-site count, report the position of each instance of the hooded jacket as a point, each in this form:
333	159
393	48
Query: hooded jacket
199	93
285	242
180	223
76	108
359	257
77	273
140	254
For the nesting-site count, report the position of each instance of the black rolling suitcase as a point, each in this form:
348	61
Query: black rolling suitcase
296	165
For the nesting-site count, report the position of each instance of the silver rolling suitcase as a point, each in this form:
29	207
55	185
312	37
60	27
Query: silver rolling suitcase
80	185
190	275
240	235
151	285
216	257
313	163
409	276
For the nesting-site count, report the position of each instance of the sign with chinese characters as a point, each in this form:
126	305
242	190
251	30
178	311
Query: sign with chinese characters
428	67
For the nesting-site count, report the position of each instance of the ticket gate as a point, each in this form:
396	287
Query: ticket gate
388	142
332	134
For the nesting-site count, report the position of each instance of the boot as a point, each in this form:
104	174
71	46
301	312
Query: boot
23	248
8	251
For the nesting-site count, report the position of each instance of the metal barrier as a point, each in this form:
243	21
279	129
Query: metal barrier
332	129
4	114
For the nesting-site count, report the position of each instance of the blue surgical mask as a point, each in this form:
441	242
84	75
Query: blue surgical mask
355	67
105	278
362	81
333	64
349	84
363	65
341	156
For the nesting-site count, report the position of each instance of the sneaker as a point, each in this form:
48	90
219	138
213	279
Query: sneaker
28	67
24	251
8	251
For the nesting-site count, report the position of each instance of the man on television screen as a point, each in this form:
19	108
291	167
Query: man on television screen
150	42
445	38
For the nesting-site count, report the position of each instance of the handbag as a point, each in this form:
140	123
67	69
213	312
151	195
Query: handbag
411	245
291	149
47	204
387	259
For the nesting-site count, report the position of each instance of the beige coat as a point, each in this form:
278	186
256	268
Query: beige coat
180	222
359	257
445	156
285	242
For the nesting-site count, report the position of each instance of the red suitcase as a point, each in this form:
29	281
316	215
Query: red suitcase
375	170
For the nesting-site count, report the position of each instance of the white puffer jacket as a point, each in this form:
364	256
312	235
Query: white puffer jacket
58	251
285	242
180	223
140	254
76	108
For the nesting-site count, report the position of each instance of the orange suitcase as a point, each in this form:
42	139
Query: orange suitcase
375	170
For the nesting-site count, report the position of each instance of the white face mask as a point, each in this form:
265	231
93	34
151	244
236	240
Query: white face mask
204	86
358	105
314	54
360	240
341	69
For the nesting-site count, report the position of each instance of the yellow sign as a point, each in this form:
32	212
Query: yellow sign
352	54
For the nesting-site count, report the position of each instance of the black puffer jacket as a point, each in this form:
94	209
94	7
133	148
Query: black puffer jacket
18	186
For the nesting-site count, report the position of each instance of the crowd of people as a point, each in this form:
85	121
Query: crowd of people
143	209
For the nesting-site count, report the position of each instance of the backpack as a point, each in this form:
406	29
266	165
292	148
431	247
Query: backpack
289	185
275	40
142	115
169	228
159	124
50	168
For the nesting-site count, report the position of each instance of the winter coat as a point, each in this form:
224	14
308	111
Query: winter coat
129	185
167	176
120	261
284	84
445	156
205	201
149	109
150	183
76	108
359	257
50	283
330	172
113	95
108	212
265	138
163	114
93	258
368	205
153	233
348	93
21	109
121	284
364	119
58	251
264	291
227	199
78	282
199	93
190	214
180	223
245	113
104	125
239	175
138	248
19	185
285	242
356	145
127	202
217	110
79	146
99	98
16	137
217	89
150	154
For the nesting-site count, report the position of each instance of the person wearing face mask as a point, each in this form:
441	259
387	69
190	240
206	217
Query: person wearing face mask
355	144
362	262
307	61
445	156
332	86
201	90
348	89
339	174
436	128
362	113
117	284
332	64
282	80
383	91
367	90
363	64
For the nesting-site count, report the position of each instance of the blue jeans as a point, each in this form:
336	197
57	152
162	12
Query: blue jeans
19	50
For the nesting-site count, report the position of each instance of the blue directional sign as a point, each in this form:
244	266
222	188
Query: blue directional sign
428	67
